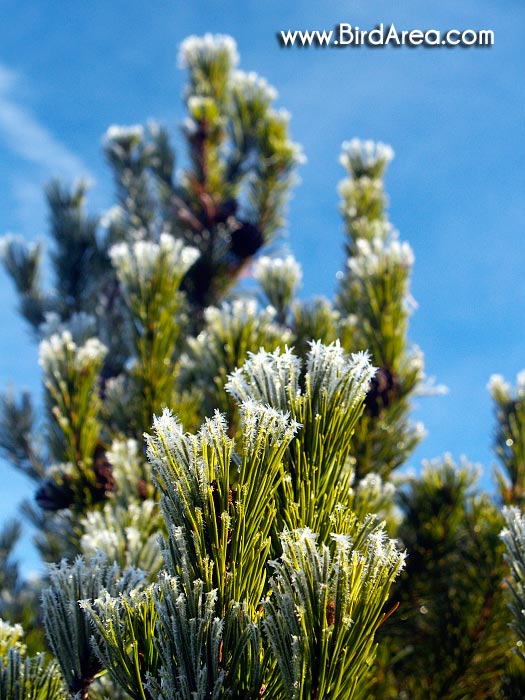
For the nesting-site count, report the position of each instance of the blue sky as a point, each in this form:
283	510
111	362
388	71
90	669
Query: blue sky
453	116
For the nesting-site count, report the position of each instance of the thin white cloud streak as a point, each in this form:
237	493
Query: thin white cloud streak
25	136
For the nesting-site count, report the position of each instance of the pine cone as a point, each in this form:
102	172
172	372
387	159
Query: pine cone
53	495
246	240
104	479
384	390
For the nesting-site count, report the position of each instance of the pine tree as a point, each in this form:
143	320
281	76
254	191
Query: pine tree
514	538
246	549
448	639
129	289
23	676
509	440
509	444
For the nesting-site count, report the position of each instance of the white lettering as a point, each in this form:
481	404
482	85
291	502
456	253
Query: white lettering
346	35
376	36
450	37
392	36
416	37
432	37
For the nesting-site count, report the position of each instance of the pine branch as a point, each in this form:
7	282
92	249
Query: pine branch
68	629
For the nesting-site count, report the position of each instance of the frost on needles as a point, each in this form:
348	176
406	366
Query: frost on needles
237	555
